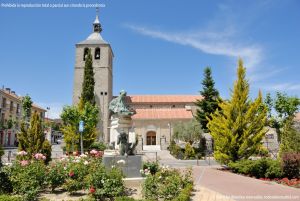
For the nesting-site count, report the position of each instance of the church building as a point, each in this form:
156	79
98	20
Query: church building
155	115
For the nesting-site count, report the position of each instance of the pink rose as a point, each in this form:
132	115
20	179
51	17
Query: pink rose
24	163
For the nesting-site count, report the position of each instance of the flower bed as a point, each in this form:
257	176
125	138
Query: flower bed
29	176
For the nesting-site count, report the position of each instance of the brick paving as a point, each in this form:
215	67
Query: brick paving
223	185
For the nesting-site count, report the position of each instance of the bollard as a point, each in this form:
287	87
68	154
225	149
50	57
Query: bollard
9	156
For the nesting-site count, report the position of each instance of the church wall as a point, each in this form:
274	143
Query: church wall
160	126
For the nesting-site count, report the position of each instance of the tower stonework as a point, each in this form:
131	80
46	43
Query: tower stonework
103	74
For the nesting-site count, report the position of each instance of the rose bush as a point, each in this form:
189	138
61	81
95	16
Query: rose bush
27	178
166	184
104	184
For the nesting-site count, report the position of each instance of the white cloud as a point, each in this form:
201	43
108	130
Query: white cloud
55	109
210	42
282	87
261	76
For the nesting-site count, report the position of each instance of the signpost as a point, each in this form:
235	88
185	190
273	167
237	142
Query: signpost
81	128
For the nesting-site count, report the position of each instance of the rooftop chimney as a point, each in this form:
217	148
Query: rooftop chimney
13	92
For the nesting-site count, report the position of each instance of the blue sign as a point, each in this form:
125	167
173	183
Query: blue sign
81	126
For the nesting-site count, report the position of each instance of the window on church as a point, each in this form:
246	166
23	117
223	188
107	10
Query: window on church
85	53
105	93
97	53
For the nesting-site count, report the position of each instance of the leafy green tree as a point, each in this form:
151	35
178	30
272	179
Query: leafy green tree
290	141
286	106
87	94
238	130
188	131
71	116
280	110
26	106
209	104
32	139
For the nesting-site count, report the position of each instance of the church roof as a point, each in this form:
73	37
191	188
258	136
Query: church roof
165	113
162	99
94	38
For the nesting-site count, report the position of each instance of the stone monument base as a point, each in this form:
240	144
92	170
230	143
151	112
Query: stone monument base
131	168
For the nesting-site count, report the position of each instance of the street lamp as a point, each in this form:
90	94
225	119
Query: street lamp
169	125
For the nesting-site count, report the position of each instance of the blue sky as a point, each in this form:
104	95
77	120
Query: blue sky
160	47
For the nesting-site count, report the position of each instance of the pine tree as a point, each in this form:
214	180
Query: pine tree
209	103
238	130
88	84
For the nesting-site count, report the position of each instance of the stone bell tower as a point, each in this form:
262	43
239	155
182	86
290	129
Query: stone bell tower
103	68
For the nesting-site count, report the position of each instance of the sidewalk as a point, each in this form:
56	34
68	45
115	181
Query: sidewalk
227	185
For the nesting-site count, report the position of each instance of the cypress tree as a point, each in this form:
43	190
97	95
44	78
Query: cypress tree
209	103
26	106
240	126
88	84
32	139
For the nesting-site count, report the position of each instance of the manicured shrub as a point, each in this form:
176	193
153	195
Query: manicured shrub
291	165
100	146
258	168
176	150
151	166
5	184
10	198
189	152
46	150
274	170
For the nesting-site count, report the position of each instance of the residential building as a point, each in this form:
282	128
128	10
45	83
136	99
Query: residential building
11	114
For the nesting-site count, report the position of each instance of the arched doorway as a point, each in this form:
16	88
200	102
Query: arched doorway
151	138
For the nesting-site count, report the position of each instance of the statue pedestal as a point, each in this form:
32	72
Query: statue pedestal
119	124
130	165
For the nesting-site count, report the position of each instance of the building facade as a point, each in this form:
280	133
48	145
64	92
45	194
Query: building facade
11	115
155	115
103	73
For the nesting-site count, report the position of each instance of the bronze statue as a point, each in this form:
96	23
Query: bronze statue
124	146
118	106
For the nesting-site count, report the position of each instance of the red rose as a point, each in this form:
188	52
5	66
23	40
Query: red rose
92	190
71	174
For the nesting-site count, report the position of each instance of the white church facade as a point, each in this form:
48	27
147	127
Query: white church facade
155	115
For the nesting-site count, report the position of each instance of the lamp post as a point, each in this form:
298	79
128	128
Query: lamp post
169	125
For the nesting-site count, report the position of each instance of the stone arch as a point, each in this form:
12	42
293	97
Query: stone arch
85	53
97	53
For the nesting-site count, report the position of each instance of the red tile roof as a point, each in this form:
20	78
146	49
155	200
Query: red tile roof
178	113
162	98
